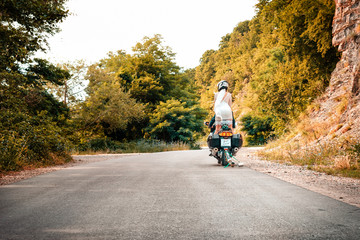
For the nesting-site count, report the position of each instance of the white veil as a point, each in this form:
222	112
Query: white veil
222	109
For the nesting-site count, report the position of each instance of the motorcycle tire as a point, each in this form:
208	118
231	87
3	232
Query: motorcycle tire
224	161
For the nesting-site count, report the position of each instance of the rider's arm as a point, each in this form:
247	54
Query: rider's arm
212	121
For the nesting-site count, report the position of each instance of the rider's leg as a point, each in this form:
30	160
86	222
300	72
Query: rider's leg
217	124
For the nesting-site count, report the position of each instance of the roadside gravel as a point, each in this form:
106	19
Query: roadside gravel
340	188
343	189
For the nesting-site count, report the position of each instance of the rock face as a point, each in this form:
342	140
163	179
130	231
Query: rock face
338	110
345	21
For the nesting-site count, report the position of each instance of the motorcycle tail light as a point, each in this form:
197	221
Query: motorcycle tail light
225	134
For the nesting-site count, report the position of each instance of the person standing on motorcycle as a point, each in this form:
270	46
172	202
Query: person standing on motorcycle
227	98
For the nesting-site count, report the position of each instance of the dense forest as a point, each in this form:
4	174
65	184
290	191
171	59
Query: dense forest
276	64
129	97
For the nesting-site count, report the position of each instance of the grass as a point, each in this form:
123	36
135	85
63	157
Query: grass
337	157
140	146
319	144
96	146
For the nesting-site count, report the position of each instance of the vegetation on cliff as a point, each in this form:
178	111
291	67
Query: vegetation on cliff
276	64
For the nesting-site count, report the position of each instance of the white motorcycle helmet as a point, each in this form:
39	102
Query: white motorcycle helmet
223	84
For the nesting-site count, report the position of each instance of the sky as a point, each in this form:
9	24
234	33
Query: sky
189	27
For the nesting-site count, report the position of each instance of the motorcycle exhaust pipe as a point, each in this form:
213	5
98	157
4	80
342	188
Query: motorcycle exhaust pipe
214	151
235	150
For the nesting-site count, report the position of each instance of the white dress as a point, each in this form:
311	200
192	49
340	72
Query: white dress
222	109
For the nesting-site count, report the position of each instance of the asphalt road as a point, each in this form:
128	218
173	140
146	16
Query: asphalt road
171	195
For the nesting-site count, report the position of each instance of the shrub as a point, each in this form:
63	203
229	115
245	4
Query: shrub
259	130
30	141
174	121
106	145
99	145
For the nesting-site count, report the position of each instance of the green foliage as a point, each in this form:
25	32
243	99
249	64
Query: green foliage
259	130
43	72
99	145
174	121
276	64
108	105
32	121
32	125
285	86
30	140
150	75
105	145
129	95
24	27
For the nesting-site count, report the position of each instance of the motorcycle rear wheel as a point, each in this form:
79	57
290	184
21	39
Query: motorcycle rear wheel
224	161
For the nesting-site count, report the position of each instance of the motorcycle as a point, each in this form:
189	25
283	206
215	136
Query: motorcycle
224	145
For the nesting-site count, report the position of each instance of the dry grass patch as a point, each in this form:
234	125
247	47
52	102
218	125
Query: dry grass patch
337	157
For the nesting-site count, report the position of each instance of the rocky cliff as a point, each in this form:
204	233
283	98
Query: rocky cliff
337	112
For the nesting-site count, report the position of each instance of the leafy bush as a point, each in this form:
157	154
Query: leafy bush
99	144
30	141
259	130
106	145
174	121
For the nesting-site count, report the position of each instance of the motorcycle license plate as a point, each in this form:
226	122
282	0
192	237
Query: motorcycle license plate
226	142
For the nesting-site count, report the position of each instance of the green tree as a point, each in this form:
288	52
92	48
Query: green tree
149	74
276	64
293	61
24	27
174	121
31	118
108	108
152	78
